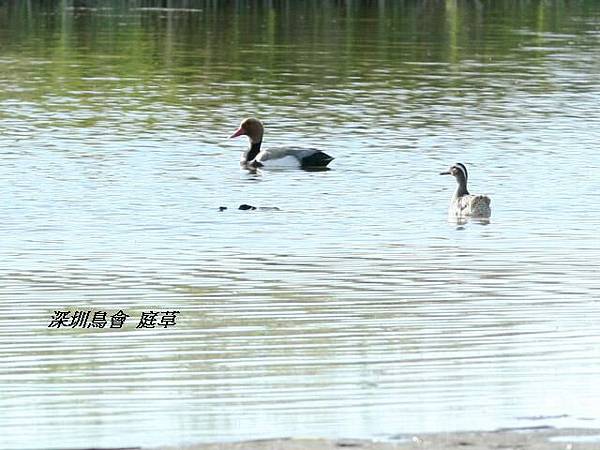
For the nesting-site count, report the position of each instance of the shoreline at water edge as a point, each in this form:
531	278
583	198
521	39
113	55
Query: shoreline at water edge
537	438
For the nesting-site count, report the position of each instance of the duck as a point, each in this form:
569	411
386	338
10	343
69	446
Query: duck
464	204
255	157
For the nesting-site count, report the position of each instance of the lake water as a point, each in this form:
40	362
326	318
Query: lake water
357	310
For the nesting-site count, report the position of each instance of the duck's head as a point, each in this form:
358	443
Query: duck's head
251	127
458	171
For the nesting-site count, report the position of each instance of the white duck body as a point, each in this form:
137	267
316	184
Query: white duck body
287	157
464	204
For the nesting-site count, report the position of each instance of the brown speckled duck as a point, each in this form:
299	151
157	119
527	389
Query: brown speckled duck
464	204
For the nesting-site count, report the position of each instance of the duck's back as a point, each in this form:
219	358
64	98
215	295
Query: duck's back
305	157
471	205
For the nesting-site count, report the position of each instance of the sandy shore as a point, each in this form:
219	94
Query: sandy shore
543	438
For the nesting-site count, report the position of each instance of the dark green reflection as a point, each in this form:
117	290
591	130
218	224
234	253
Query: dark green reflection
164	47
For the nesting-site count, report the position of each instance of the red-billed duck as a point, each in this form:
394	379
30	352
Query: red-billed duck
305	158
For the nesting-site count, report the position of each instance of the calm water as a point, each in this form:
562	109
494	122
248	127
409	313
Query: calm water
357	310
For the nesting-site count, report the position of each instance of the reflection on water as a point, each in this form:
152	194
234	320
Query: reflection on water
354	310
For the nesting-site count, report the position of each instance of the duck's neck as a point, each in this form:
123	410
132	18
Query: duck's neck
254	151
462	186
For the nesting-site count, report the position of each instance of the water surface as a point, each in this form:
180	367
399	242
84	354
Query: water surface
356	310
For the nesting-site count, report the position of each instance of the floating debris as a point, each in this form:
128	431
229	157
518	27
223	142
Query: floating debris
245	207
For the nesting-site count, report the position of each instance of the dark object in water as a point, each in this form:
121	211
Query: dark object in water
222	208
245	207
